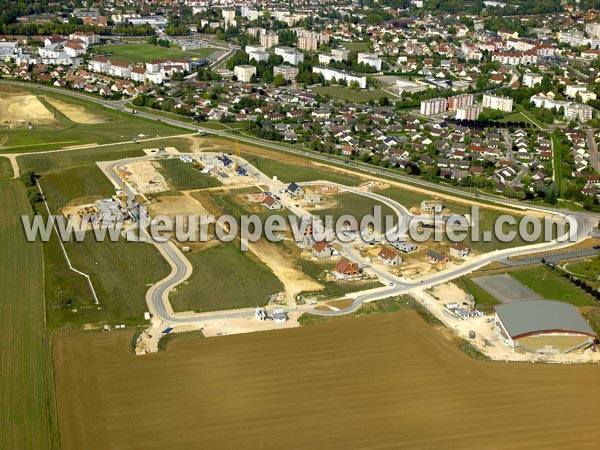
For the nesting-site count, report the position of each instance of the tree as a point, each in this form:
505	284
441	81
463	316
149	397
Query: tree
279	80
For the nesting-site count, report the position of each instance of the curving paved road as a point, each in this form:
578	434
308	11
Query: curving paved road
158	295
330	160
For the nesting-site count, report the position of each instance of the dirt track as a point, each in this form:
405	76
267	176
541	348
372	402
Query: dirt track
379	382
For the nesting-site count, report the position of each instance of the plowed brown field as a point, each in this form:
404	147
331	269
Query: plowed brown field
385	381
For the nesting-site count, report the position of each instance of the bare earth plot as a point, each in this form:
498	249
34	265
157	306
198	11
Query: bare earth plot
76	113
385	381
505	288
16	108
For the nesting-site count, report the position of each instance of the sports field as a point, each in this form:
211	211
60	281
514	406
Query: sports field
27	415
139	53
385	381
351	95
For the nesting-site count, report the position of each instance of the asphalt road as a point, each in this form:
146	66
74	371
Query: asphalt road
330	160
180	272
158	294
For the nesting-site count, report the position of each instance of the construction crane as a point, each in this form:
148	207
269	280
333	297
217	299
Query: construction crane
237	156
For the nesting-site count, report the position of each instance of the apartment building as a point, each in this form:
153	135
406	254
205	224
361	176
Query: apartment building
244	72
434	106
460	101
468	112
497	102
290	55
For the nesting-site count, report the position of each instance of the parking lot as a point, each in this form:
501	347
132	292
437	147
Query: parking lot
505	288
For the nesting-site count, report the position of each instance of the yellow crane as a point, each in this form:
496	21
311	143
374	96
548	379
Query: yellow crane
237	156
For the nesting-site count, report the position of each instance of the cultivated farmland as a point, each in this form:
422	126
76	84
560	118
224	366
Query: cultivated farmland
27	417
384	381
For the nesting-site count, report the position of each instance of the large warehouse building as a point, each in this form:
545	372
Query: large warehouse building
543	326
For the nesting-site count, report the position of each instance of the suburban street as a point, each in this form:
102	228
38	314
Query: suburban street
158	295
330	160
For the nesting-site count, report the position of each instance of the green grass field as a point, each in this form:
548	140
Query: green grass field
357	46
117	127
224	277
50	162
5	168
81	182
484	300
121	271
288	172
516	116
551	286
357	206
589	270
140	53
487	219
351	95
28	418
558	164
183	176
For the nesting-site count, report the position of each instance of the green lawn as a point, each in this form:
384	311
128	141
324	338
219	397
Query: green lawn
140	53
517	117
75	183
288	171
224	277
355	205
357	46
587	270
45	163
557	159
117	127
5	168
351	95
183	176
483	299
121	272
28	418
551	286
